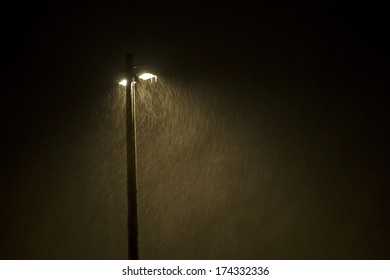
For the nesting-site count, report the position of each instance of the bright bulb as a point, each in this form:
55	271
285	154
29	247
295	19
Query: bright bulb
123	82
144	76
148	76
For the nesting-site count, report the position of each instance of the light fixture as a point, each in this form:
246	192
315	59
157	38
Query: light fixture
143	76
123	82
148	76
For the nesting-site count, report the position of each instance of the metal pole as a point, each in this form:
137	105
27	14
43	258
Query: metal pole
132	221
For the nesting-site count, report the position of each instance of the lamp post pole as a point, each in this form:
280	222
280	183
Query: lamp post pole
132	220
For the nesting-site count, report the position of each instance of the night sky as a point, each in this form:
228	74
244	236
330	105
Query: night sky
266	137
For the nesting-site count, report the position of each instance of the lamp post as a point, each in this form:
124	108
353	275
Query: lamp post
130	82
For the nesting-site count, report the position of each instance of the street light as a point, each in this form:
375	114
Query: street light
132	221
143	76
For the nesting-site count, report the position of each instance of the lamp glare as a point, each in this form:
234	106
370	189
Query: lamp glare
123	82
147	76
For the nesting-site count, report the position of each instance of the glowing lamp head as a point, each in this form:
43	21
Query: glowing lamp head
143	76
123	82
148	76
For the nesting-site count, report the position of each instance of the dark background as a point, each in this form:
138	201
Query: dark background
266	137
